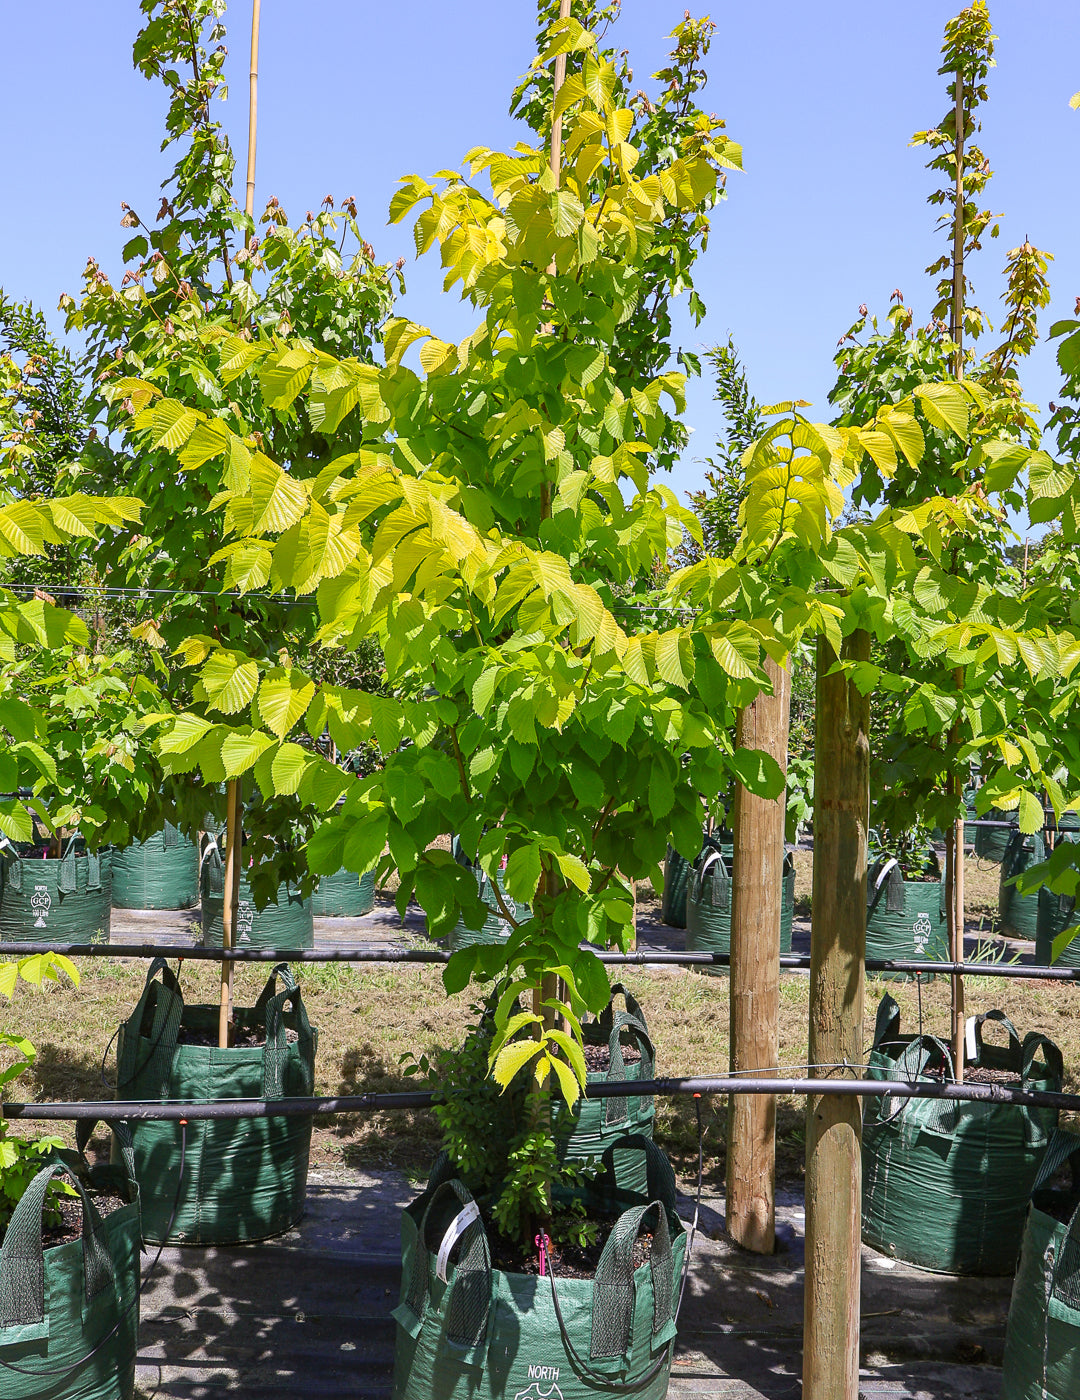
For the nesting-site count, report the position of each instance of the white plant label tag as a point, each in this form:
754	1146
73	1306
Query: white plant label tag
245	919
454	1232
970	1048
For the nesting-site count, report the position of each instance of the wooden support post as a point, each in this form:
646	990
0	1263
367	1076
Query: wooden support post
234	841
755	973
234	802
837	956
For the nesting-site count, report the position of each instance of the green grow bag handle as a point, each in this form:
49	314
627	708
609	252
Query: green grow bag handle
877	879
659	1174
613	1290
68	881
1015	1049
453	1213
616	1109
910	1064
121	1131
270	1013
1035	1041
887	1023
22	1263
168	1007
630	1002
724	902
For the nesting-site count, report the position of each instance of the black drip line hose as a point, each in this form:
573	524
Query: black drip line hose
658	958
143	1110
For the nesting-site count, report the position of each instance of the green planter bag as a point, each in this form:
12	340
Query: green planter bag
343	896
946	1184
677	880
69	1313
991	841
904	918
586	1133
161	873
56	901
285	925
1042	1341
1056	913
244	1178
470	1331
1019	912
708	904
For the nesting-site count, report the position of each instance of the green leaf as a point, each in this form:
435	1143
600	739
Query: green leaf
574	870
240	751
758	772
523	870
514	1057
284	696
1031	814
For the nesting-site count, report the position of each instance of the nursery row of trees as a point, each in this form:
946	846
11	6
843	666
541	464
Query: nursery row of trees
331	520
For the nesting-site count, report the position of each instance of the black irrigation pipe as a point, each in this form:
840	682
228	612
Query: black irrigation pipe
790	961
137	1110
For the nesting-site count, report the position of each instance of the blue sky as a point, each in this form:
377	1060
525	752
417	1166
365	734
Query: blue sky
829	213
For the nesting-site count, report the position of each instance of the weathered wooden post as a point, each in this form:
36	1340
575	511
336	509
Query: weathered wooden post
755	973
838	951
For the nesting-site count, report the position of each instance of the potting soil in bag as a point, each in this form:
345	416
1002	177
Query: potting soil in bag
1042	1341
905	919
69	1313
991	841
285	925
1057	912
470	1331
708	904
585	1133
243	1178
344	896
946	1183
159	873
1019	912
677	879
65	900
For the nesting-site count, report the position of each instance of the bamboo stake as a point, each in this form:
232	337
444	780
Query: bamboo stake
755	973
253	105
551	987
837	953
954	868
234	826
555	166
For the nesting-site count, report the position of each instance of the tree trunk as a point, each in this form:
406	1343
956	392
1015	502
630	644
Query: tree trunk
755	974
838	952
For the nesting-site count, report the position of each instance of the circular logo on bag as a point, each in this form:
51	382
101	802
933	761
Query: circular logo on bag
922	929
245	918
41	903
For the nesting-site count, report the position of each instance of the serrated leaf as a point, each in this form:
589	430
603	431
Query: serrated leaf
514	1057
284	696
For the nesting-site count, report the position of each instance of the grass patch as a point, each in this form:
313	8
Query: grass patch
368	1017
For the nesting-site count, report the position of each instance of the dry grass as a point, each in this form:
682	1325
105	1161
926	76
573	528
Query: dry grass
367	1018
